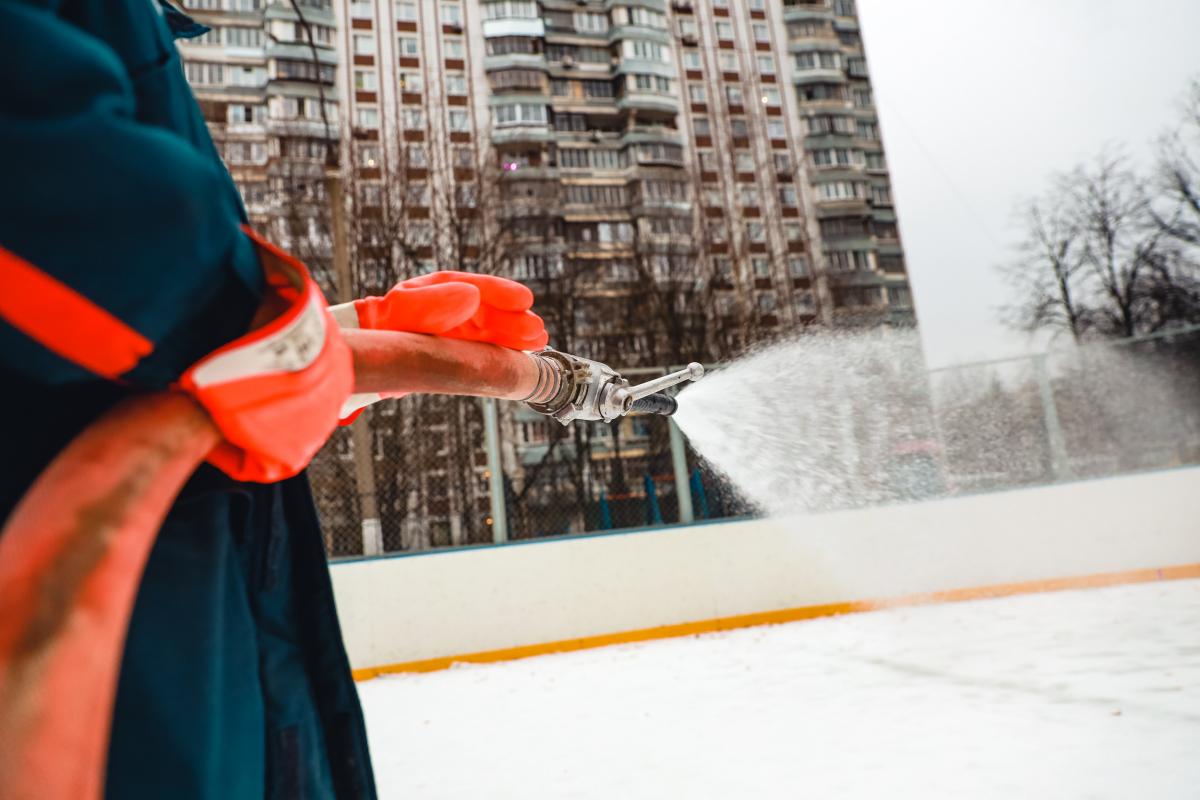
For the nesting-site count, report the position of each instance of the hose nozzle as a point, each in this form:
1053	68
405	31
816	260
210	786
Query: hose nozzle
592	391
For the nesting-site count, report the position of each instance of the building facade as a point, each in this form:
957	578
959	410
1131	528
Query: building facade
675	180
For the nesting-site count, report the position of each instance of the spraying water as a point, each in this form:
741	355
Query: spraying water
845	419
816	423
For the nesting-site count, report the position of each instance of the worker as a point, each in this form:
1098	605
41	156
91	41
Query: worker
127	267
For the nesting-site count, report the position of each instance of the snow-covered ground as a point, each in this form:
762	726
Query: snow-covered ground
1085	694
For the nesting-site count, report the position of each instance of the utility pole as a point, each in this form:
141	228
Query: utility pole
364	451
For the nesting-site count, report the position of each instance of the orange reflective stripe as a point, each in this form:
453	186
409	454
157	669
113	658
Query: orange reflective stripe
65	322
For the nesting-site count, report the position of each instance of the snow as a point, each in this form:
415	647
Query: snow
1083	694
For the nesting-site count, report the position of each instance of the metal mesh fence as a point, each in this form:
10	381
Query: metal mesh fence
417	473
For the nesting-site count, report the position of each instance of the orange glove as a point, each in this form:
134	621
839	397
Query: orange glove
275	393
459	305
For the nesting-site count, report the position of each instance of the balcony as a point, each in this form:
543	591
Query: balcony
495	28
652	103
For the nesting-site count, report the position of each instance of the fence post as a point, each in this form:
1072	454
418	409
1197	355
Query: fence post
1058	448
683	488
491	436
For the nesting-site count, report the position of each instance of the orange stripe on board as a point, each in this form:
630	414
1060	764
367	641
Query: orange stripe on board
789	615
65	322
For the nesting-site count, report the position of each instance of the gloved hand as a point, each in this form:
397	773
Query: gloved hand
458	305
276	393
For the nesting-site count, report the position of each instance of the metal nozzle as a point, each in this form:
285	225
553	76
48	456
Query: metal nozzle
692	372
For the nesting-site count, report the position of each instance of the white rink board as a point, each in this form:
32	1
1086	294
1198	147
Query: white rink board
410	608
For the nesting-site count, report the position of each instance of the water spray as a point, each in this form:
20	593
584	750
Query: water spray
571	388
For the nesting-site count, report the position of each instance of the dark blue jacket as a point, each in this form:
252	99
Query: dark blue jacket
235	682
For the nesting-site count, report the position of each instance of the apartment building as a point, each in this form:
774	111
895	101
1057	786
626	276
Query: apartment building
675	179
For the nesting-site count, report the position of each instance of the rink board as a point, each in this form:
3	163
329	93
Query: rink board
421	612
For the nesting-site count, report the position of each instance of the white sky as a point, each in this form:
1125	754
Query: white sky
981	101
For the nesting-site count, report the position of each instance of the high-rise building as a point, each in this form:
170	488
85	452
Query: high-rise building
675	179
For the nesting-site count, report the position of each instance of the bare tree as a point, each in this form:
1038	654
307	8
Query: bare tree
1094	260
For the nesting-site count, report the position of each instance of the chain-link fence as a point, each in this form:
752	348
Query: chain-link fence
451	472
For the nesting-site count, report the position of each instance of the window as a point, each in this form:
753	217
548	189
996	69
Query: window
805	302
766	302
843	190
727	60
411	82
202	73
770	96
863	98
364	45
867	130
713	196
757	5
691	59
516	79
724	30
857	66
708	160
406	11
456	84
238	114
783	163
881	194
723	268
417	193
755	232
891	263
650	83
850	260
520	114
738	127
818	59
647	18
362	9
413	118
766	65
701	126
749	195
559	87
570	122
370	194
787	196
776	129
511	9
696	93
452	14
876	161
452	47
245	152
761	267
743	161
248	37
798	266
647	51
687	27
459	121
734	95
365	80
368	117
793	232
899	296
830	124
464	158
408	45
597	88
760	32
508	45
417	157
589	21
844	8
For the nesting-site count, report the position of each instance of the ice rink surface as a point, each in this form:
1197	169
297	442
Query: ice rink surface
1081	694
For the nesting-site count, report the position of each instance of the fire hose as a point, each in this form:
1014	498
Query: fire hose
73	550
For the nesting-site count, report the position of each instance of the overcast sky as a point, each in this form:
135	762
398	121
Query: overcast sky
981	101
